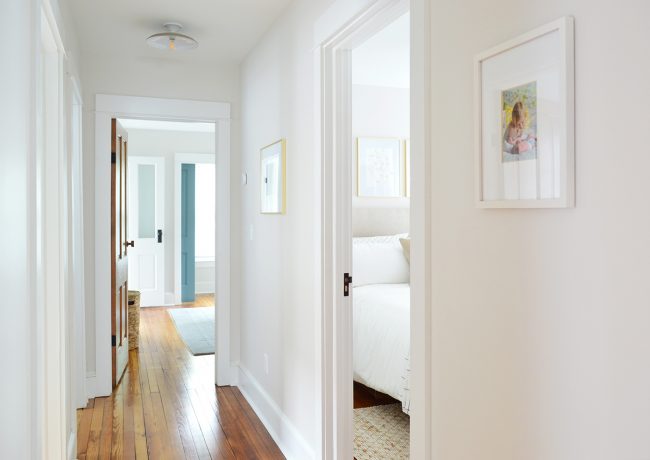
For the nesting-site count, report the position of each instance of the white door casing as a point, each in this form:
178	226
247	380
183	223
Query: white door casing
77	281
341	29
147	108
53	426
146	208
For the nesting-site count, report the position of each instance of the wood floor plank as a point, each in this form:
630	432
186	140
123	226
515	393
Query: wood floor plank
270	447
83	430
213	433
236	428
136	410
154	427
93	447
167	407
105	440
117	437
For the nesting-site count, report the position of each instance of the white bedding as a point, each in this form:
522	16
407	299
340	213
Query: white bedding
382	338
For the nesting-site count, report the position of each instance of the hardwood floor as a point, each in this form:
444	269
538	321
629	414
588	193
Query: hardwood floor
167	407
367	397
202	300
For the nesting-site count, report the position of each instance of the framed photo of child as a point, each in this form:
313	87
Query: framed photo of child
524	118
519	122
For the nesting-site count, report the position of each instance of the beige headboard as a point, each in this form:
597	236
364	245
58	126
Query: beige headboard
376	221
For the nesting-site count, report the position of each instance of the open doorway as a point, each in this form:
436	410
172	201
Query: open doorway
380	131
194	218
171	221
340	39
143	110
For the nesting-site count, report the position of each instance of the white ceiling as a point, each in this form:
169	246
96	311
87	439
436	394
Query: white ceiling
167	125
384	59
225	29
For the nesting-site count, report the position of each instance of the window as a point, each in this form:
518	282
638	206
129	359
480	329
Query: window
204	212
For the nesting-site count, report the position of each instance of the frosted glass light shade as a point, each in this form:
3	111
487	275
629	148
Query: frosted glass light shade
172	39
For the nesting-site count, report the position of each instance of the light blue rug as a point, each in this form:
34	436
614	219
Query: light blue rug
196	328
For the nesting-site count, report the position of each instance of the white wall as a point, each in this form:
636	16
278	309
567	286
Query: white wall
541	318
166	144
17	283
278	316
384	58
20	402
541	325
379	111
204	277
161	78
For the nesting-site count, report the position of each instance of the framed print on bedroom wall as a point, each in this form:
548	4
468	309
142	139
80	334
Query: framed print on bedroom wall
380	167
273	186
525	120
407	166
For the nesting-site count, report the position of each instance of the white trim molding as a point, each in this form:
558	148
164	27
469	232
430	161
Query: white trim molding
421	412
284	433
72	445
53	270
77	249
91	383
151	108
111	106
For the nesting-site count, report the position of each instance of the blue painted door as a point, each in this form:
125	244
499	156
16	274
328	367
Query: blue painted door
188	266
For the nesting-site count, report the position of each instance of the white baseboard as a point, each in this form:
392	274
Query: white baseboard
170	299
91	386
283	432
72	446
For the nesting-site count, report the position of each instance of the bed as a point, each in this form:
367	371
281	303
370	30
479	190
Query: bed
381	316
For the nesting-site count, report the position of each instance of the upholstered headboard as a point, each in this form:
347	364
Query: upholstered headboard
374	221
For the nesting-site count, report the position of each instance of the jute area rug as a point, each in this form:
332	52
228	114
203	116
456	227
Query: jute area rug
381	432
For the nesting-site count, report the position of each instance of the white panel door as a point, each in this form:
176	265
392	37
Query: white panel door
146	219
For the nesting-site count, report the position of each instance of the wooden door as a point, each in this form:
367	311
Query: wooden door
119	254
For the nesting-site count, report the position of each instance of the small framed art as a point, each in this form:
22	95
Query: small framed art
524	120
273	178
380	167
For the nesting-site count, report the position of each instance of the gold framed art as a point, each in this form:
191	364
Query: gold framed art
273	182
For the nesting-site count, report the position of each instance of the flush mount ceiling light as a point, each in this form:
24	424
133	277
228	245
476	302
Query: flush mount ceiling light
172	39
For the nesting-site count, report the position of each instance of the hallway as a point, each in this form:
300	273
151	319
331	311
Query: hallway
167	408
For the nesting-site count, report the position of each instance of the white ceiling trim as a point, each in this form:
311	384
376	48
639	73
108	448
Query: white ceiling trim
165	109
163	125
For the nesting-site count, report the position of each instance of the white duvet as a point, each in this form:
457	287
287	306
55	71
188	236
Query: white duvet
382	338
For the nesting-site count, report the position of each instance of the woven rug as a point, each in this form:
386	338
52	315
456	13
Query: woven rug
381	432
196	328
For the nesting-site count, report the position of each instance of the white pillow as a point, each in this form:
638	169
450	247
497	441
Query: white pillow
379	260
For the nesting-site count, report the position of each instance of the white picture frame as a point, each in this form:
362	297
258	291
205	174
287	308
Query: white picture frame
380	167
407	167
273	183
524	115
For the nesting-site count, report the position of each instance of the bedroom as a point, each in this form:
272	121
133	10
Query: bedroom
380	243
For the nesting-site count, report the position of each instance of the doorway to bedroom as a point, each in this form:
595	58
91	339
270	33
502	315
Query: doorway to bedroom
380	290
362	184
